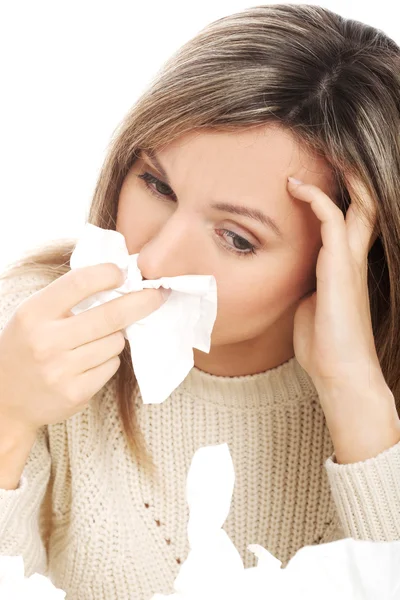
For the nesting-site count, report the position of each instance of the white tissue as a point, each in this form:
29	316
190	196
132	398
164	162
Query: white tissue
162	343
15	586
347	569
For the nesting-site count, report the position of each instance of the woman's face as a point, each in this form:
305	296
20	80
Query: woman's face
181	232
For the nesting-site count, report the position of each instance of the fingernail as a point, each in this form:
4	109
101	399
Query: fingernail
294	180
165	293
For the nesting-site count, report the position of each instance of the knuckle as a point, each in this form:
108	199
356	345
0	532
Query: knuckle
79	280
117	273
42	343
41	350
52	376
110	317
23	316
73	394
120	340
338	213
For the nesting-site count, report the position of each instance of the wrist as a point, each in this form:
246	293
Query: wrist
362	422
14	435
357	447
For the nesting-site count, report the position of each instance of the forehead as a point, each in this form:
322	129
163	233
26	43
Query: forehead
261	156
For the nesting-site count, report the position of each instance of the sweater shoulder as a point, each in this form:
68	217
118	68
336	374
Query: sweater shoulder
17	288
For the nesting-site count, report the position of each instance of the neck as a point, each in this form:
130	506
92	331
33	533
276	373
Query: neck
246	358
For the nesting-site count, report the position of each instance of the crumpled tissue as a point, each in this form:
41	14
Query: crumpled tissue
15	586
346	569
161	343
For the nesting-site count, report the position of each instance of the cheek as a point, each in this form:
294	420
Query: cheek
265	292
134	218
244	304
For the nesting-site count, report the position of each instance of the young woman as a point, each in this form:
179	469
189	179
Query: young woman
302	379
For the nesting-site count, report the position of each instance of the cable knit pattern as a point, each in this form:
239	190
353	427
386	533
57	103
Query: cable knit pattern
85	515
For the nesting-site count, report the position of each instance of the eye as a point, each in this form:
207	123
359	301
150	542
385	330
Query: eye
249	249
150	180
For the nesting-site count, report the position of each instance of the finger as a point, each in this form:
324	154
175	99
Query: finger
113	315
333	230
333	260
360	226
62	294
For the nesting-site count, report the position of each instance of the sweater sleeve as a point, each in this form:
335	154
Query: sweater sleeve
24	512
367	495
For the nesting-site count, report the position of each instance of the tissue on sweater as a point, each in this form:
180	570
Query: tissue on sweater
342	570
15	586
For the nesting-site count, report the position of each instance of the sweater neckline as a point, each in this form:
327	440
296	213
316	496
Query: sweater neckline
285	384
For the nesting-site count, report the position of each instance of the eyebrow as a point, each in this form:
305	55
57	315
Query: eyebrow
245	211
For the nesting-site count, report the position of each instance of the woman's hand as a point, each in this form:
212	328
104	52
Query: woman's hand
333	338
52	361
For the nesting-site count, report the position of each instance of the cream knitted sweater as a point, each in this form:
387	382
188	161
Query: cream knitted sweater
115	534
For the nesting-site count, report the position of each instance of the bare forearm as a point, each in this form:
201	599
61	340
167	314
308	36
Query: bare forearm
15	447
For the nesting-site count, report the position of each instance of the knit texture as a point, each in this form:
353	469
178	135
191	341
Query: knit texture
86	516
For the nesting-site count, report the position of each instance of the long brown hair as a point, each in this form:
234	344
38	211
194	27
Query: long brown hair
334	83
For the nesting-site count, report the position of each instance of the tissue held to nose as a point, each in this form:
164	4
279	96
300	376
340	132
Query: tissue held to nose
161	343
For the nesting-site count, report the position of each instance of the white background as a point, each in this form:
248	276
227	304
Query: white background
70	71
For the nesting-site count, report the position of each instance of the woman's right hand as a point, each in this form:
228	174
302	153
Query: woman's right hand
53	362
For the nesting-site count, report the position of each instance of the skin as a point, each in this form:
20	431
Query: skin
257	294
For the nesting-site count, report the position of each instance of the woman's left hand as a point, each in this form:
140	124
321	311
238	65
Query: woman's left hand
333	338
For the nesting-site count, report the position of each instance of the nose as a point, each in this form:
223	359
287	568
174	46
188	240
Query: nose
175	249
